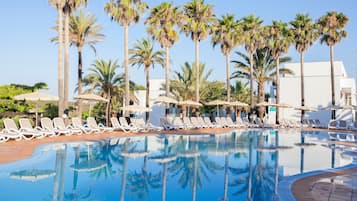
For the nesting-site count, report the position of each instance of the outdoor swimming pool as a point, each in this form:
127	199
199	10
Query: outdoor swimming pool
234	166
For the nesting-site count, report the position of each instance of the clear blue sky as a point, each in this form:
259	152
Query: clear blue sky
27	56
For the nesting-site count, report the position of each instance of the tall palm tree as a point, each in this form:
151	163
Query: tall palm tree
332	29
252	39
104	80
143	53
264	65
83	31
162	22
69	7
305	34
227	33
198	22
280	39
58	5
126	12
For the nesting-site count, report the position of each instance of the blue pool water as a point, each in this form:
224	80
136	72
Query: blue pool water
239	165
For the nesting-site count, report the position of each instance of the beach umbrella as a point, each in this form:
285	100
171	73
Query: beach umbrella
36	96
217	103
91	98
306	108
189	103
332	107
265	104
32	175
283	105
136	108
165	99
238	104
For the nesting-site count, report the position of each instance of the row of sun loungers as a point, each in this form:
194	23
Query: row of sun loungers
342	125
57	126
306	123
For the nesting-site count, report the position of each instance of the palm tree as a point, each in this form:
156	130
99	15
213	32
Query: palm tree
304	33
252	39
162	22
227	33
59	4
83	31
104	80
198	22
69	7
143	53
332	29
126	12
264	65
280	40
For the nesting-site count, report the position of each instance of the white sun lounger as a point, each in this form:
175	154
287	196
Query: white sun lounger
188	123
77	123
149	126
126	125
195	123
92	124
25	124
333	124
167	125
47	124
208	121
13	132
117	127
59	124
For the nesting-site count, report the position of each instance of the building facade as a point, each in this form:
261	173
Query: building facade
317	91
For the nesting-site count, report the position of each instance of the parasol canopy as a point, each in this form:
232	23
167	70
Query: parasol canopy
190	103
306	108
283	105
239	104
165	99
135	108
91	97
265	104
218	102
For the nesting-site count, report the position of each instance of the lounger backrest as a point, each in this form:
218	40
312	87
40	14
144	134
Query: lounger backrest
333	123
218	120
123	121
207	120
140	121
10	124
92	123
25	123
115	122
187	121
59	123
193	120
77	122
47	123
224	121
229	120
342	123
177	121
200	120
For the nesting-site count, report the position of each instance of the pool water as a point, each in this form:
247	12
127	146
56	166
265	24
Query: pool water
239	165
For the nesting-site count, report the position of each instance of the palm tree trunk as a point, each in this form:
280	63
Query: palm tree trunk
261	99
126	66
167	78
66	57
251	77
147	72
80	72
333	112
302	84
60	61
107	111
197	71
228	73
277	82
228	78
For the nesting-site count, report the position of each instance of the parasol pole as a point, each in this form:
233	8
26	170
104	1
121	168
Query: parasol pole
36	114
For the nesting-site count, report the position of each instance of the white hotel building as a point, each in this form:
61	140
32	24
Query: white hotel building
317	91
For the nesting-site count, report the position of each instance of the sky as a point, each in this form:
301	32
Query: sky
27	56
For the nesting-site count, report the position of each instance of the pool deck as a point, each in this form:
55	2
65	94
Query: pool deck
331	186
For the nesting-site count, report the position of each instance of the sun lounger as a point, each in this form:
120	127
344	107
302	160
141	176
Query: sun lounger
208	121
148	126
179	123
188	123
3	138
231	123
25	124
47	124
92	124
207	125
116	125
13	132
333	124
126	125
77	123
342	124
196	123
353	126
219	122
59	124
167	125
